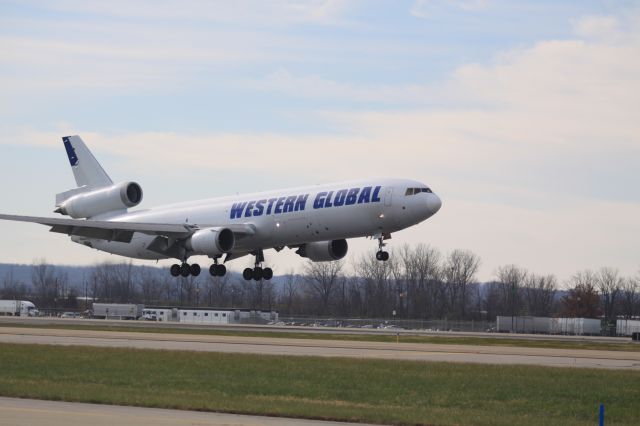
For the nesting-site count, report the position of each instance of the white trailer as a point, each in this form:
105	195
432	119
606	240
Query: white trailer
625	327
18	308
117	310
523	324
157	314
204	316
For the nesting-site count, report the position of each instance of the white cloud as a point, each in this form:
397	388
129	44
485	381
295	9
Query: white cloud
596	26
266	12
427	8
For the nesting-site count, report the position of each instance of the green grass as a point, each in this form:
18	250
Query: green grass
463	340
390	392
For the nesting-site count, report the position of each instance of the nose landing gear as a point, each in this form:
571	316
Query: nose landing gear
382	255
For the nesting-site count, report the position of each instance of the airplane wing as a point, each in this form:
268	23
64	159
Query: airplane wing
121	231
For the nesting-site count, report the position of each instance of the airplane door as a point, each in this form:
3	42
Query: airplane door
388	196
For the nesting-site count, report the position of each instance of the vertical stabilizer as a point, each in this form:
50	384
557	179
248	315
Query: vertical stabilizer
86	169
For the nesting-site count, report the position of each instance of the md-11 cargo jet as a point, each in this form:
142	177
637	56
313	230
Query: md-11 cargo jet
316	221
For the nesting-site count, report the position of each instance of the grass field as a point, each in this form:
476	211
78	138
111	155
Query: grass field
463	340
387	392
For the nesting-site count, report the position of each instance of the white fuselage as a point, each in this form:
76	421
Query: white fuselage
290	217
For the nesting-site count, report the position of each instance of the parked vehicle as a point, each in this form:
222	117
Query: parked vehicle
18	308
117	310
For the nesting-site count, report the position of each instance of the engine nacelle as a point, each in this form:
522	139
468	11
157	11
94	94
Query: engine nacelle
104	200
212	241
324	251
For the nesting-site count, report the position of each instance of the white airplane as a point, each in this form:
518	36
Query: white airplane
315	220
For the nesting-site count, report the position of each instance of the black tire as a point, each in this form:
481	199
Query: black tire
257	273
247	274
195	269
222	270
175	270
267	273
213	270
185	270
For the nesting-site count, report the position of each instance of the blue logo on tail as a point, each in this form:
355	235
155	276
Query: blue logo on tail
71	152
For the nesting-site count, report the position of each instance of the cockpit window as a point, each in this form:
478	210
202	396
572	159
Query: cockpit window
413	191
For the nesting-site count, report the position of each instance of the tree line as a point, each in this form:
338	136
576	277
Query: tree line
418	282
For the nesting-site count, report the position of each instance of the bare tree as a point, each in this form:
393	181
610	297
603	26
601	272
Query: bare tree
630	298
46	283
219	291
538	294
322	278
150	288
423	290
609	284
583	300
12	288
377	285
459	271
512	279
289	292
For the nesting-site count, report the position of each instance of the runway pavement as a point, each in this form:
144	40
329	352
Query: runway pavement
300	329
28	412
326	348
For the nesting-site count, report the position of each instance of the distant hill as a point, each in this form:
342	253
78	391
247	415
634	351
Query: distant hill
77	275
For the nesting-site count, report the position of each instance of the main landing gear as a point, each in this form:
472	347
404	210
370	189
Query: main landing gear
194	270
185	270
258	273
382	255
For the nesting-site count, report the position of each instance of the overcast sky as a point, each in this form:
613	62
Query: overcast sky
523	116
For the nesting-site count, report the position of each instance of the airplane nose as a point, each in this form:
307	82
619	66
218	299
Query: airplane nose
434	203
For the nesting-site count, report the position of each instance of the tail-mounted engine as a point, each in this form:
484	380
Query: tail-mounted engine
324	251
103	200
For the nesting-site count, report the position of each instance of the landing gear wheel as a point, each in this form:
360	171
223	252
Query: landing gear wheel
247	274
382	256
222	270
175	270
195	269
185	270
267	273
257	273
218	270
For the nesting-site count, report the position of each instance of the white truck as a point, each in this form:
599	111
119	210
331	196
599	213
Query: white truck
18	308
117	310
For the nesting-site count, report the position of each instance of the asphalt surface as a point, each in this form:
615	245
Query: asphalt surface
303	329
28	412
326	348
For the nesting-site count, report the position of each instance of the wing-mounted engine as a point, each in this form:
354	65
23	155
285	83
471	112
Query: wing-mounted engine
211	241
324	251
87	203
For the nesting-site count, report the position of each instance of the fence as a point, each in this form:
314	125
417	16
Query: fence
355	323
